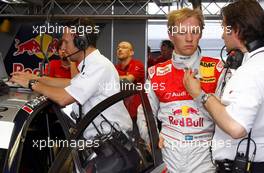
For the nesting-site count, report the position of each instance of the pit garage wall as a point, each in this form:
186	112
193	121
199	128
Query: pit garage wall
112	32
6	39
133	31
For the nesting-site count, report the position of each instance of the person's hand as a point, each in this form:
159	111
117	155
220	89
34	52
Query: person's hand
25	75
148	147
161	142
20	79
192	85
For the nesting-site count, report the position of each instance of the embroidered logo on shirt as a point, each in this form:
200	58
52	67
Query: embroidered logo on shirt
175	94
161	71
137	68
219	66
151	71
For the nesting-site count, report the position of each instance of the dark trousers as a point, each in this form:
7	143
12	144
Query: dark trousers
225	166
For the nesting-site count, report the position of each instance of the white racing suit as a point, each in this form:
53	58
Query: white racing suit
186	126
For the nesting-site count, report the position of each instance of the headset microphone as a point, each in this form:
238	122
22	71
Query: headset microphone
66	57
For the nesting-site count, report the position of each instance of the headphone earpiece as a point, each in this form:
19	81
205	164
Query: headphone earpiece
81	42
234	59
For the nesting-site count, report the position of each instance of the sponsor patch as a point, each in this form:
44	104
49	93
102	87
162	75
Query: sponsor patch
188	138
175	95
219	66
207	69
161	71
151	71
186	122
137	68
208	80
27	109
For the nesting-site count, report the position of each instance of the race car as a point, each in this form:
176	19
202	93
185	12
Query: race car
32	127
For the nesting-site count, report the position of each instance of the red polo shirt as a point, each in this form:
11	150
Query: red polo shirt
135	68
56	69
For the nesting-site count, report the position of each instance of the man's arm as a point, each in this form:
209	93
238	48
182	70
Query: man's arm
129	77
215	108
50	81
141	120
55	82
58	95
135	73
218	112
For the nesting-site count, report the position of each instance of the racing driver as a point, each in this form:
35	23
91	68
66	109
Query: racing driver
186	127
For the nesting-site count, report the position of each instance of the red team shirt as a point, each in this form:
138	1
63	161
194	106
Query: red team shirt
56	69
135	68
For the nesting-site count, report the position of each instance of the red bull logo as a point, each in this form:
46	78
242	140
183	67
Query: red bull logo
33	46
186	121
18	67
185	111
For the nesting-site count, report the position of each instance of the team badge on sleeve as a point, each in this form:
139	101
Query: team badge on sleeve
151	71
219	66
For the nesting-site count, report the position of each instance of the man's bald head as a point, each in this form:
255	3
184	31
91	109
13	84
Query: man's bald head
124	50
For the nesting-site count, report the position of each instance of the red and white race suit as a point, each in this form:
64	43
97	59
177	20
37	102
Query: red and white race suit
184	121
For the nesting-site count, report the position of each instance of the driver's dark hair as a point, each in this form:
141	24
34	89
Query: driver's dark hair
246	17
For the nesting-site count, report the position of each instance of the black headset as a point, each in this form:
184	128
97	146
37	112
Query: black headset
234	59
251	46
81	42
235	56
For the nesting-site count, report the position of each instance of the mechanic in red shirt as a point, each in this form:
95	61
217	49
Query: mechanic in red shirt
131	70
151	60
61	68
166	49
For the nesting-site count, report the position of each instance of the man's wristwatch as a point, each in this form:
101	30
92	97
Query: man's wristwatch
203	97
31	82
